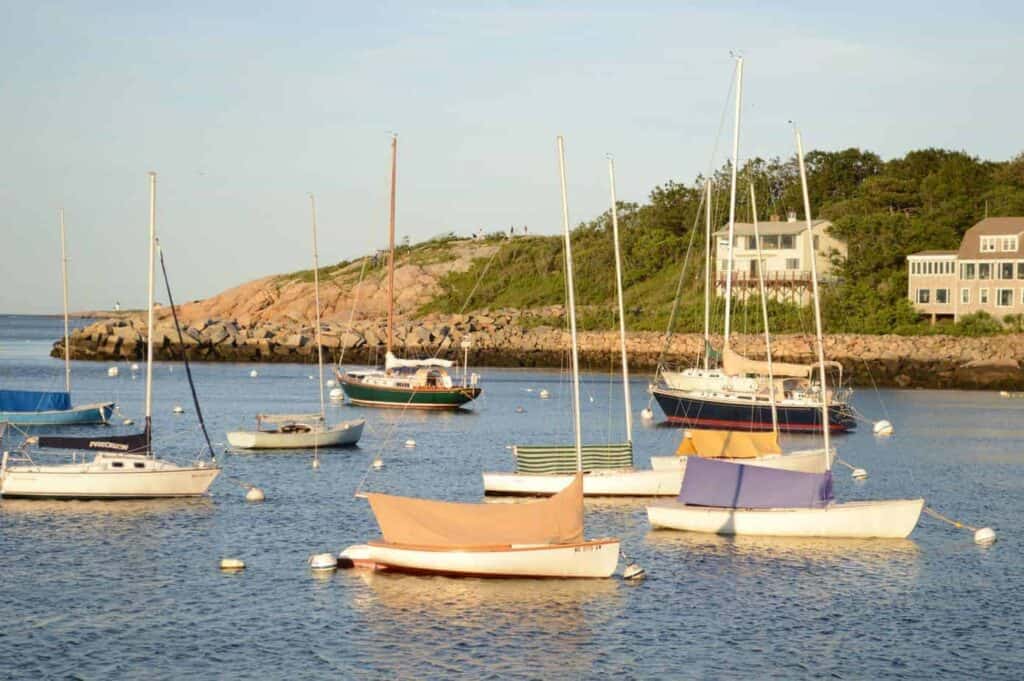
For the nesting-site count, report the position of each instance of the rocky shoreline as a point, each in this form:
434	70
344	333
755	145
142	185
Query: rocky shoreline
511	339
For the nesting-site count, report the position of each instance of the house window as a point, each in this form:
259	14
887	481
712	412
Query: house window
770	241
983	296
1009	243
1020	269
942	296
923	295
988	244
928	267
723	266
984	270
965	296
967	270
1006	270
815	242
787	241
792	263
1004	297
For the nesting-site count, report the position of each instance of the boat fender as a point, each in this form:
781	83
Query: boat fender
984	536
255	494
323	561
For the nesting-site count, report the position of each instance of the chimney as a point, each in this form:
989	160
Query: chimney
791	216
774	217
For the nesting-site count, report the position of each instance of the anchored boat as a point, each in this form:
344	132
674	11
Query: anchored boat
406	383
122	466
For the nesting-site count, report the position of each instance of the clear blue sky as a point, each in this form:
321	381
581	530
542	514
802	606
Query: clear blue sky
244	109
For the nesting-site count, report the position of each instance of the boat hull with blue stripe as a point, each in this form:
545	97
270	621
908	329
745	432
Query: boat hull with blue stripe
692	411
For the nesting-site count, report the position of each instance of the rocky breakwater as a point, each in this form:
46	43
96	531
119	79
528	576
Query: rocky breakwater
512	338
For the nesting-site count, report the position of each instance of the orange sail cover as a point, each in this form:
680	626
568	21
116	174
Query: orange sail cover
728	444
444	524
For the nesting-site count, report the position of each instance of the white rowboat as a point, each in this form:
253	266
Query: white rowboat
885	519
590	559
343	434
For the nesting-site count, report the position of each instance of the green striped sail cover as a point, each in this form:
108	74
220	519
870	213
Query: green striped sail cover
562	458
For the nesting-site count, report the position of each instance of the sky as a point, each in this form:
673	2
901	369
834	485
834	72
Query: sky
243	109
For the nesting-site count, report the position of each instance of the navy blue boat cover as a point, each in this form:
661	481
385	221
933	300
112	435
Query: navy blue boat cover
134	443
34	400
722	484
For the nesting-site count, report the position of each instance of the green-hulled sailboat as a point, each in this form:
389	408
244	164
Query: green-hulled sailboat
406	383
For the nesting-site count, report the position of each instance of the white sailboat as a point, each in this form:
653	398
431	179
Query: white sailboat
302	431
124	466
532	539
726	498
736	395
610	471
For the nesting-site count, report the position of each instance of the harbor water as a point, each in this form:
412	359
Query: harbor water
98	590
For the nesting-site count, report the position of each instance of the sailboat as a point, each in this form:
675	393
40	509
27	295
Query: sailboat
532	539
405	383
49	408
302	431
736	394
124	466
609	471
729	498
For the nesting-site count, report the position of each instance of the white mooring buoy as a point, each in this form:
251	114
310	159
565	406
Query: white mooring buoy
646	414
135	367
316	463
128	422
409	444
253	373
859	474
323	561
544	394
232	564
336	394
883	428
255	494
113	372
520	410
331	383
178	409
1004	393
984	535
378	463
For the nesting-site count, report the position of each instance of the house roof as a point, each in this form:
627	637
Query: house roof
769	228
970	247
931	253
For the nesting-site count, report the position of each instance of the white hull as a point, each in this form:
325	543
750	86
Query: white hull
341	435
807	461
596	558
611	483
886	519
99	479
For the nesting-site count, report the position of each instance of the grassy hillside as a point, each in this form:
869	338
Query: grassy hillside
884	210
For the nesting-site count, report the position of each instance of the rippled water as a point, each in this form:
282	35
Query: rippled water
99	590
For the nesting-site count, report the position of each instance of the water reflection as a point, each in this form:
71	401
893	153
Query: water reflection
432	613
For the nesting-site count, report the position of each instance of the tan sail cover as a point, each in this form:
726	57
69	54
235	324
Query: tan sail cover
424	522
734	364
729	444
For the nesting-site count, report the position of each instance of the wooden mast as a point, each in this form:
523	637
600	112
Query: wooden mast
764	314
817	301
622	313
577	428
64	279
316	298
391	245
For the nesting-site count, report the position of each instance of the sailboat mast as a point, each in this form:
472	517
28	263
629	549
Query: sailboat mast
817	301
732	194
622	312
64	279
316	298
764	314
572	310
149	302
391	243
707	272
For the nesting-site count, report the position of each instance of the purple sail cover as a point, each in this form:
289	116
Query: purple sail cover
710	482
